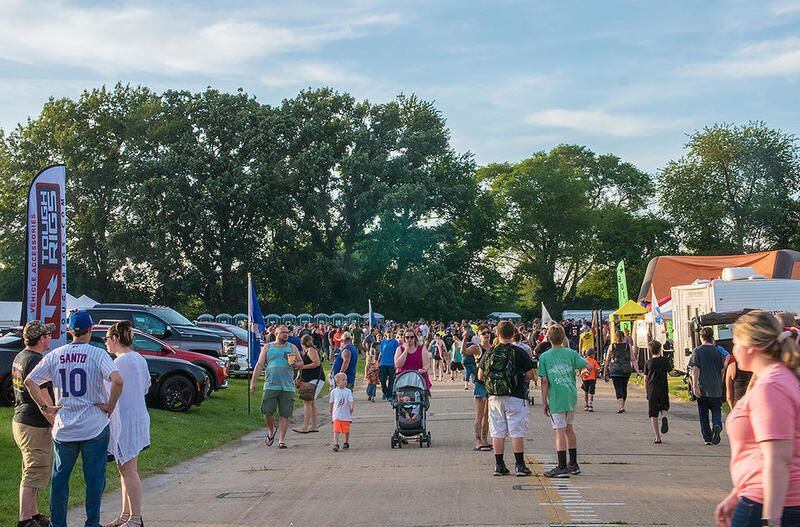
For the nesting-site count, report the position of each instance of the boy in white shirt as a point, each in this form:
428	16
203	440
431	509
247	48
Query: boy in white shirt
341	406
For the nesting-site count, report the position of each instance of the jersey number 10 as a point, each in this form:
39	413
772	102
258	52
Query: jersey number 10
77	382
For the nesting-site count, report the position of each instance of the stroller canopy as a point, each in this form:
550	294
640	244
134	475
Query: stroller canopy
410	379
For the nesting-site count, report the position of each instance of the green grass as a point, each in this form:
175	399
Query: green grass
175	437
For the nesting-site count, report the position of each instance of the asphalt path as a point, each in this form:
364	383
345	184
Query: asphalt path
626	479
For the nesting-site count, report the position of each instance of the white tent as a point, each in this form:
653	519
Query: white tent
10	311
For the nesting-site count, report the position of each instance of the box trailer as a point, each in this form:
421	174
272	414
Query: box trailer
735	292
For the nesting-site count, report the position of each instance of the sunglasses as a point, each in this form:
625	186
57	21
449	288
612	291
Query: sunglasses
485	333
106	338
411	336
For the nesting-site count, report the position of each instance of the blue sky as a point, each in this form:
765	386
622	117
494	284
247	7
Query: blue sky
511	77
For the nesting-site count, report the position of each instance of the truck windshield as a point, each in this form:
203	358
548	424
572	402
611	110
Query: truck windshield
236	330
170	316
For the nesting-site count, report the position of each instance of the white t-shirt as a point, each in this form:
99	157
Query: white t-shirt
130	422
341	399
77	372
424	330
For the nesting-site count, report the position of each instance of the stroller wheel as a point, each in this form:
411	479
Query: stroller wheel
428	439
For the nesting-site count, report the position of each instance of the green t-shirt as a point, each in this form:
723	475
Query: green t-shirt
357	334
559	366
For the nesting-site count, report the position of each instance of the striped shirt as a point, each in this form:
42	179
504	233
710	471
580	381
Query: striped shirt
77	372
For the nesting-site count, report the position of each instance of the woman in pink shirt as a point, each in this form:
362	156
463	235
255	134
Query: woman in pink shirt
764	428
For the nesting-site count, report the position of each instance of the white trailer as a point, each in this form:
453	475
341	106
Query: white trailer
733	293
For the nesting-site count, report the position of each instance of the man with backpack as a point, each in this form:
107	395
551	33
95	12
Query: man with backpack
506	369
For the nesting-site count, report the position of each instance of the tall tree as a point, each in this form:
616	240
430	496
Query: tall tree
735	190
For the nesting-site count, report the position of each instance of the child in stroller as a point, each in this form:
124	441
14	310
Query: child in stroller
411	406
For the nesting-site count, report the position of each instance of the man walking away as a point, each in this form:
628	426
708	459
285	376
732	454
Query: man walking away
30	427
82	408
557	370
505	370
708	368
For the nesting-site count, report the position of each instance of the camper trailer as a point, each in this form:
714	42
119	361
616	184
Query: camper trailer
740	288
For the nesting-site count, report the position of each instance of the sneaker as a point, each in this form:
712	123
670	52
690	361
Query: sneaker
41	520
586	408
709	443
521	469
557	472
335	448
664	425
346	445
574	468
715	438
501	469
591	408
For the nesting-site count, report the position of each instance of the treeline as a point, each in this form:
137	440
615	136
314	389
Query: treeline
329	201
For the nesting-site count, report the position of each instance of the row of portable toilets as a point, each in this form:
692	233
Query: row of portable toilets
337	319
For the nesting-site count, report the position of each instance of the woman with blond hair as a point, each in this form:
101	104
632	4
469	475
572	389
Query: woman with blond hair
764	428
130	423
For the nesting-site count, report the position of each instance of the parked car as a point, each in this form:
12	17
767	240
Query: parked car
216	369
168	325
241	366
175	384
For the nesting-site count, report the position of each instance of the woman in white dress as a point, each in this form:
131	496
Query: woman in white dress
130	423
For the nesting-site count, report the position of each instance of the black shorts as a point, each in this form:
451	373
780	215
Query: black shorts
589	386
457	366
657	404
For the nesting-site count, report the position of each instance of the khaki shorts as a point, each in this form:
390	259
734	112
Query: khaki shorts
280	400
36	445
561	419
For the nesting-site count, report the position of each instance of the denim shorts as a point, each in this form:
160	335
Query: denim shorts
480	391
748	513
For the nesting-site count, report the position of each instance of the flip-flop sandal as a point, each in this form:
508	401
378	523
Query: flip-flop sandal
281	445
270	438
485	448
301	431
312	431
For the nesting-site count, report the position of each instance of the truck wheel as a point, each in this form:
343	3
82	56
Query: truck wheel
176	394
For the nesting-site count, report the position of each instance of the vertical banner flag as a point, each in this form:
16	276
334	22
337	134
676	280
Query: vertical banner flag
46	256
546	318
255	318
372	321
655	309
622	284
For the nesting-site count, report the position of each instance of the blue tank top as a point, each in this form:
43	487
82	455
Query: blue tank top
279	373
351	368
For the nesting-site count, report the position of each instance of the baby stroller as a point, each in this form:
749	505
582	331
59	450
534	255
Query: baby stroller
410	404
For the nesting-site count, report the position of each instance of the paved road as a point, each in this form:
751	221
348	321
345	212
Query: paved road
626	480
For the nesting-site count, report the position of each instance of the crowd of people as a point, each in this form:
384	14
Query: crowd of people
76	401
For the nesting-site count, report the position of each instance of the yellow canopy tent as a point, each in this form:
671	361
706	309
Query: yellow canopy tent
629	312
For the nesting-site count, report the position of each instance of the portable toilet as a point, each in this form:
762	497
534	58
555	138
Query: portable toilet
353	318
322	318
379	319
272	318
224	318
337	319
239	318
288	318
304	318
206	317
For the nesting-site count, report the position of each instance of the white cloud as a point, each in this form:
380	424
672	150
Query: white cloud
597	122
311	74
785	7
760	59
166	39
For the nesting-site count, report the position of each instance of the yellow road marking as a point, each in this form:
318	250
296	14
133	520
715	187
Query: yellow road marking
545	493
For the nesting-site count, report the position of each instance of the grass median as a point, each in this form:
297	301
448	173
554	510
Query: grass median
175	437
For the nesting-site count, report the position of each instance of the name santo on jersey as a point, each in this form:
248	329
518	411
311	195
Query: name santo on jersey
74	357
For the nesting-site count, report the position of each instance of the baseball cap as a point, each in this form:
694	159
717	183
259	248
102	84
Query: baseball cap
80	320
36	328
346	335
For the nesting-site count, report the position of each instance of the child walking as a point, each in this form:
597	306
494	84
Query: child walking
371	374
655	381
589	380
341	406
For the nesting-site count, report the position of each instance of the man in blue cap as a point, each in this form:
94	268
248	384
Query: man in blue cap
81	413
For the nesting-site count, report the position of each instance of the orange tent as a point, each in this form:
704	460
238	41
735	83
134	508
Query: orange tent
665	272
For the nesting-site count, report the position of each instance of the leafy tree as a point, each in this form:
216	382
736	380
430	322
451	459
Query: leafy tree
735	190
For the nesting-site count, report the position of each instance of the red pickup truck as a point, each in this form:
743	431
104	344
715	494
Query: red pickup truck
149	345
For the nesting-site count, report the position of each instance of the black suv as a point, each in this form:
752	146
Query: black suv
167	324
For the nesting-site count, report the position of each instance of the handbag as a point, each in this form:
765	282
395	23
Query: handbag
306	391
